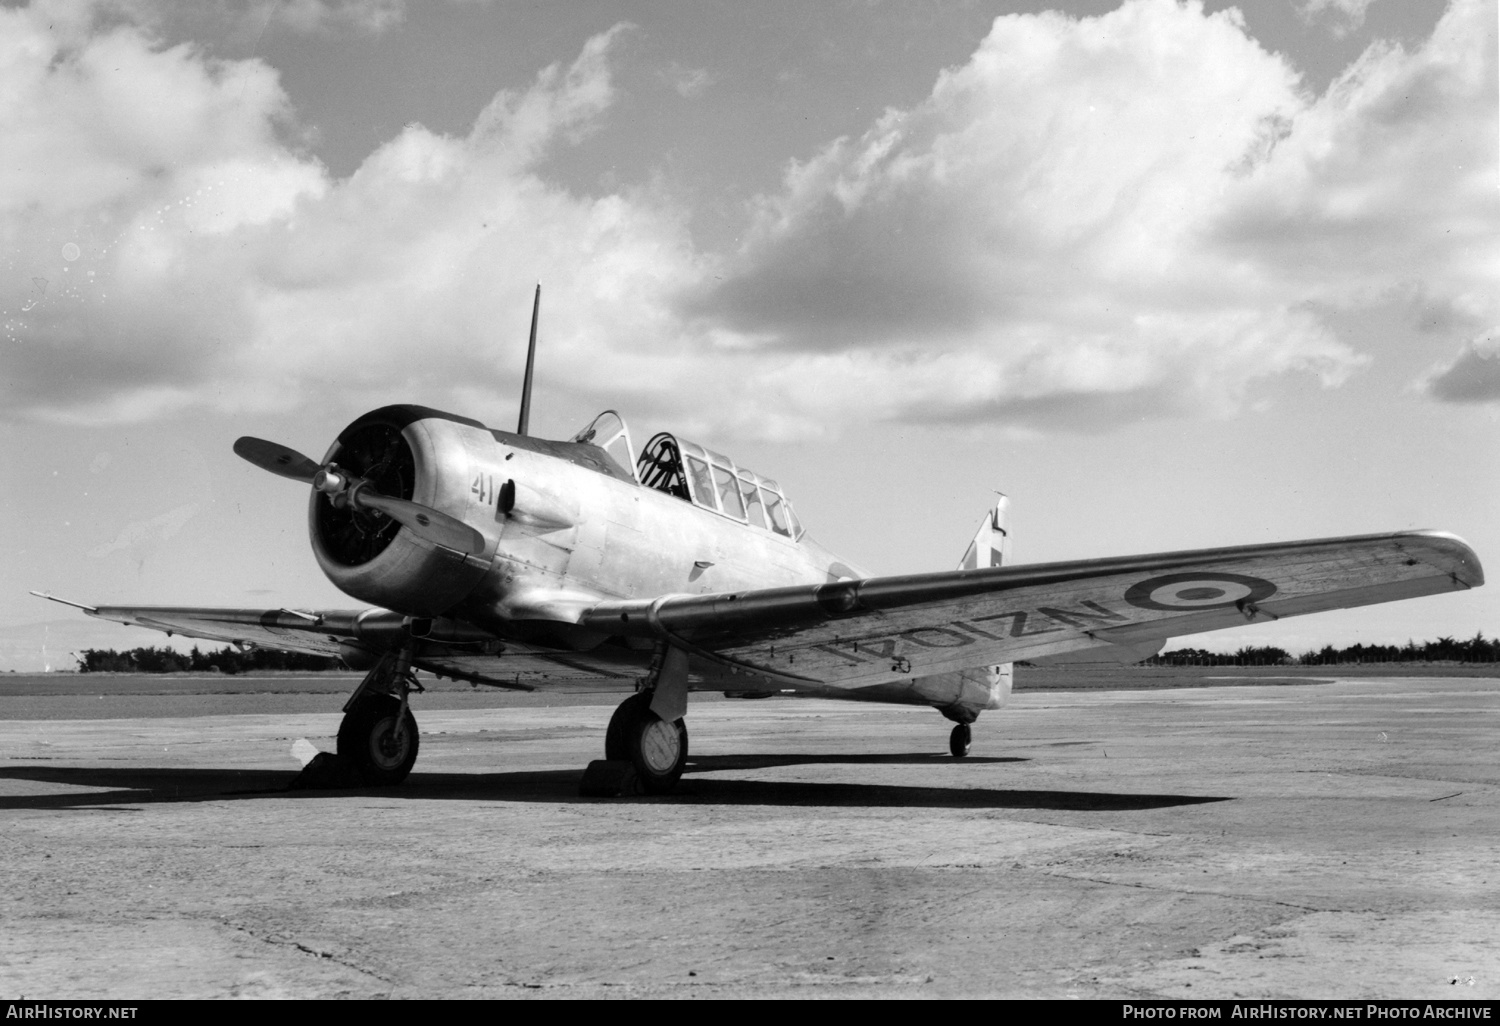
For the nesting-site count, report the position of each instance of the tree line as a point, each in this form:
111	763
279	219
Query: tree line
226	660
1477	649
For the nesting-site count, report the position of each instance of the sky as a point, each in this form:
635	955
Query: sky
1169	274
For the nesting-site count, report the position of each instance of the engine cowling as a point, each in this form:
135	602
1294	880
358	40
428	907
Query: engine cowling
412	453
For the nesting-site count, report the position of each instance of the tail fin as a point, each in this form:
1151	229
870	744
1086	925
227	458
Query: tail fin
983	687
991	544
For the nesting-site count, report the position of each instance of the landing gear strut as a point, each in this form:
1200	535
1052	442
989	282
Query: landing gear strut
657	750
378	736
958	741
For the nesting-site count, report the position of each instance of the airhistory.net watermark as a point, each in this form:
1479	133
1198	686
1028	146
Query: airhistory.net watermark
1276	1010
50	1010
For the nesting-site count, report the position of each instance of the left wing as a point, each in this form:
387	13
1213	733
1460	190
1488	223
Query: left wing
852	634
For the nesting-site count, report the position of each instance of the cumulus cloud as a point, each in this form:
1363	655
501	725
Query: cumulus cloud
1345	15
216	265
244	23
330	15
1388	179
1473	377
1088	221
1138	213
688	82
131	169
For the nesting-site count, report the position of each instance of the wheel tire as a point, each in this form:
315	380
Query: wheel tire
615	747
655	748
367	740
959	740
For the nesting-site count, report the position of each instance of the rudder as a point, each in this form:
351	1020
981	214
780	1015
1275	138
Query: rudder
991	544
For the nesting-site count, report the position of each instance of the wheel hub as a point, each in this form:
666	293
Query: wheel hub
386	749
660	746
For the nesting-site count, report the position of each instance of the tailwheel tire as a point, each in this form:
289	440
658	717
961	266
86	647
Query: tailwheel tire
958	741
367	739
655	748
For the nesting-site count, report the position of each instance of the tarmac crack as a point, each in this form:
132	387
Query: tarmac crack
1138	885
318	953
634	988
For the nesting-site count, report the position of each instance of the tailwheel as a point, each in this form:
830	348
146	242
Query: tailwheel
958	741
368	739
656	749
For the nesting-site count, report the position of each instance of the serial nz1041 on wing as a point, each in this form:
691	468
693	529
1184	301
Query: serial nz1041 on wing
503	559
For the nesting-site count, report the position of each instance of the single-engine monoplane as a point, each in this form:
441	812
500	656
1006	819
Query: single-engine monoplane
504	559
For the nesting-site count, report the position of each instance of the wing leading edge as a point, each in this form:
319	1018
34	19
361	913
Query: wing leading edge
853	634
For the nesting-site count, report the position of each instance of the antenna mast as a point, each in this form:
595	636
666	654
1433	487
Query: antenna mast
525	421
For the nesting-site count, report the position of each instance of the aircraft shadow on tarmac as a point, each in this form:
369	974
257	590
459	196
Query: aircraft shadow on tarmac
139	786
711	763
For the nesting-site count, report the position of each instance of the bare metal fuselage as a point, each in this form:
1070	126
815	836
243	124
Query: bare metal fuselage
564	528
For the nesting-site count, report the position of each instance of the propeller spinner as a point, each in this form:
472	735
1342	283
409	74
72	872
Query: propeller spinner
343	490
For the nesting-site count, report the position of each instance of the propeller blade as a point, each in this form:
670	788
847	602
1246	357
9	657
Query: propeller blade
424	521
278	459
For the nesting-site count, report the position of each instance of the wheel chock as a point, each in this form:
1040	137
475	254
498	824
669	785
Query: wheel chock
327	771
608	778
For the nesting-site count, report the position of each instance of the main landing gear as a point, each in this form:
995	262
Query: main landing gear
646	745
958	741
378	736
656	750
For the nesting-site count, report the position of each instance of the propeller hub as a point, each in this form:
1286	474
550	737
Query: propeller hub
330	481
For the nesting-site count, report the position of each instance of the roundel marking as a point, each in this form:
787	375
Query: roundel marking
1193	591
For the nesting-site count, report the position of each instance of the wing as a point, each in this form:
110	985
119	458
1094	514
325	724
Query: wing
294	631
853	634
448	648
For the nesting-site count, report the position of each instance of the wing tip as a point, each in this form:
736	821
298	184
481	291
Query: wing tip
1453	555
91	610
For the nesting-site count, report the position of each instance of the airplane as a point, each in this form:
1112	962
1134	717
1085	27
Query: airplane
504	559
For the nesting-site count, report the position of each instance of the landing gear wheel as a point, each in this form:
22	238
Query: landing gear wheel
367	739
958	741
657	749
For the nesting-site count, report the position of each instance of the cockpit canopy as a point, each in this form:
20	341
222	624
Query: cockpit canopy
698	475
713	481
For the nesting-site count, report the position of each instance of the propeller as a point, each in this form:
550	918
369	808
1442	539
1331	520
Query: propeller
344	490
278	459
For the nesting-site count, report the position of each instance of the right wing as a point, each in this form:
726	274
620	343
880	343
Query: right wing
448	648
